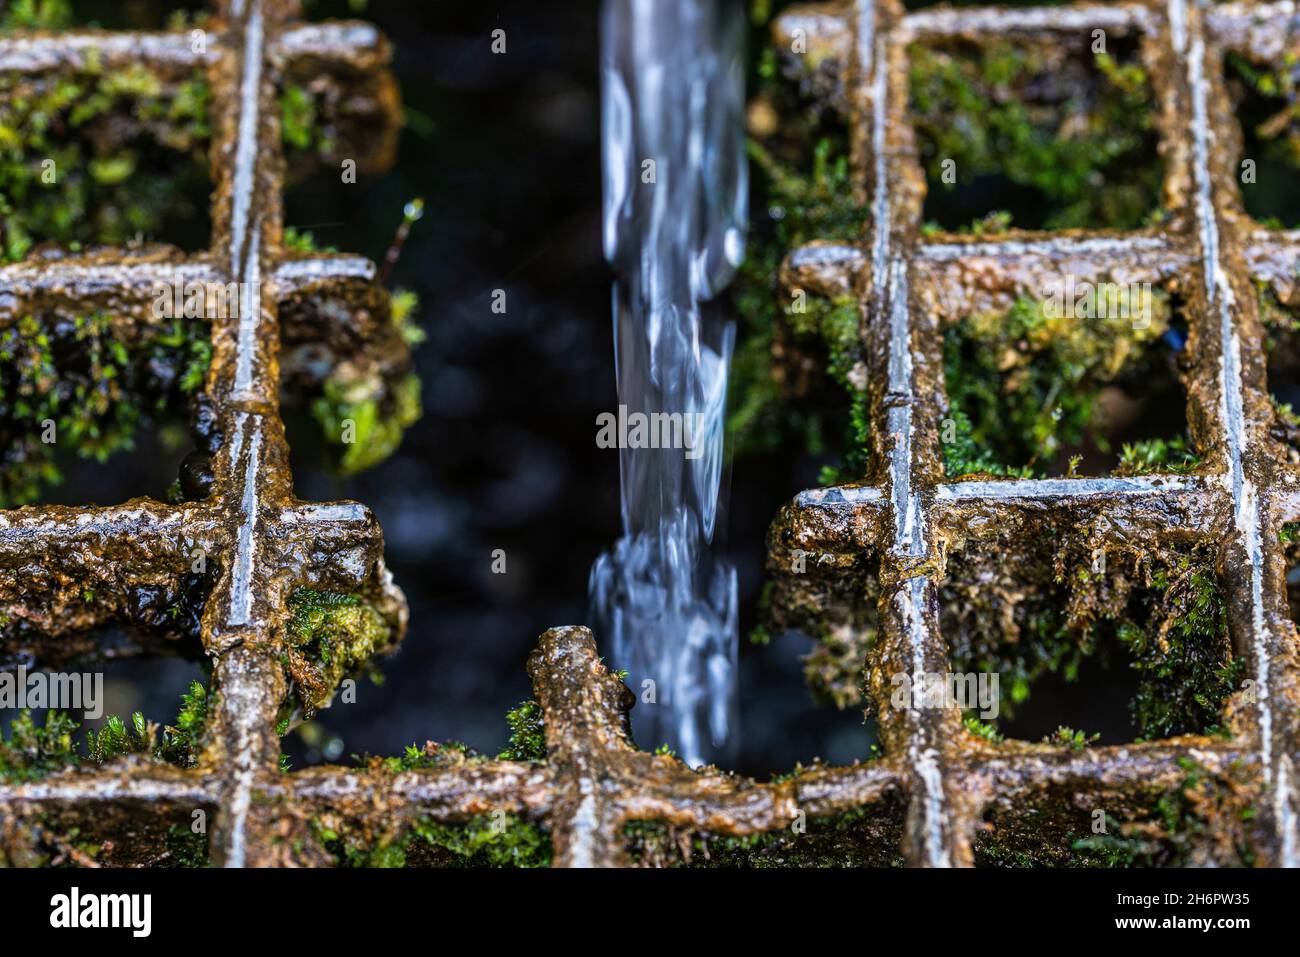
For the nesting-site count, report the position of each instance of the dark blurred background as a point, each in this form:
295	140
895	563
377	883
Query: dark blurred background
505	151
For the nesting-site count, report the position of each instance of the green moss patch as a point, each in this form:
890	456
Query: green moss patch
484	841
798	374
1063	137
77	383
1267	101
1065	603
1040	390
102	157
29	752
329	635
527	733
363	418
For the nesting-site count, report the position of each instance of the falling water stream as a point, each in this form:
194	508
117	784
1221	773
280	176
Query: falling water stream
674	219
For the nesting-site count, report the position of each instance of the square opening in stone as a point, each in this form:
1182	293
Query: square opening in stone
104	156
1266	98
96	407
111	719
867	837
1200	819
1094	637
117	834
818	627
1082	380
1016	133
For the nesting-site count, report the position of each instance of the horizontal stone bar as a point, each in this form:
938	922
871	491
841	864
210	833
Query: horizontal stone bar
1264	31
359	46
130	780
1095	768
131	281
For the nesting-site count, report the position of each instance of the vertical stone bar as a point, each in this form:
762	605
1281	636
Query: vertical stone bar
251	465
1224	302
905	426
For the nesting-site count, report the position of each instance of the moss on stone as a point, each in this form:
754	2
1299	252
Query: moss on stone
95	387
30	752
1064	737
92	157
503	840
1023	385
186	848
1157	456
1076	133
180	743
527	733
796	356
364	417
329	635
1158	610
486	840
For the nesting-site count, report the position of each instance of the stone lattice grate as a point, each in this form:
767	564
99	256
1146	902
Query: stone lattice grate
906	285
593	780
